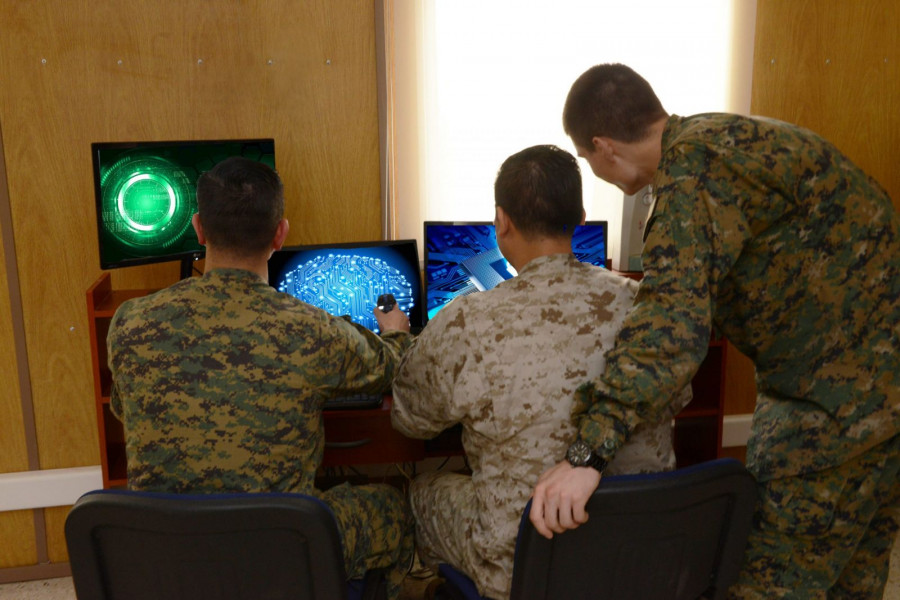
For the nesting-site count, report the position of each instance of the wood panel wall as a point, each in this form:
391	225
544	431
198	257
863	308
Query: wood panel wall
834	67
74	72
17	527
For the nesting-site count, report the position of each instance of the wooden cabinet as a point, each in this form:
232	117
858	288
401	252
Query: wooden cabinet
102	302
362	437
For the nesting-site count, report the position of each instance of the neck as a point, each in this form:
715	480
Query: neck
647	152
529	250
219	259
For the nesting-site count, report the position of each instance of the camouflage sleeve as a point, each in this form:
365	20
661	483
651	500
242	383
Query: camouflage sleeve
367	363
423	390
115	400
693	239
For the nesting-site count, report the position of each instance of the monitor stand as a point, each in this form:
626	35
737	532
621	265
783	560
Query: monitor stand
187	267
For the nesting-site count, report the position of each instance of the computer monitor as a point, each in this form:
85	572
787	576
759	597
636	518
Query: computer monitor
145	195
462	258
346	279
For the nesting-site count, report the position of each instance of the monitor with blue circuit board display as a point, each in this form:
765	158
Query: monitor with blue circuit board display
346	279
462	258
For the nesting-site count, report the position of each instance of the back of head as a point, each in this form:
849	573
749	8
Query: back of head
539	189
612	101
240	202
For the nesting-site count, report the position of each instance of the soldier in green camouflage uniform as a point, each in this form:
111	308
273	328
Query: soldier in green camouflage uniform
766	232
219	380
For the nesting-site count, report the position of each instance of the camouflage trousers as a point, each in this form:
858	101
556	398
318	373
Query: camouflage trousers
446	511
377	530
827	534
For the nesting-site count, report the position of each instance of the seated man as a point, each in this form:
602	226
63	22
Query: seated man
219	380
505	363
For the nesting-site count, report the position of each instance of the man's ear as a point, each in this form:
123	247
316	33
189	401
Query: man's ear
605	146
281	233
502	222
198	227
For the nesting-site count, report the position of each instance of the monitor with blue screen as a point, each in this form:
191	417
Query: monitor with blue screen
463	257
346	279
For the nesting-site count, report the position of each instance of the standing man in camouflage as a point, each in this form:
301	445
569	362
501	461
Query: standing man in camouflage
505	363
768	233
219	380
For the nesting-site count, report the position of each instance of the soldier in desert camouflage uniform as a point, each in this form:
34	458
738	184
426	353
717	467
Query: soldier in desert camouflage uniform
219	380
505	363
768	233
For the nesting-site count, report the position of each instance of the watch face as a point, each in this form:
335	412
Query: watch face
578	454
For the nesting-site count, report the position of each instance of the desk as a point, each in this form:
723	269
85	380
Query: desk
359	437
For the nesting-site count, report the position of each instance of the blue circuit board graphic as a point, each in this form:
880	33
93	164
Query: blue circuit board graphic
347	282
463	258
449	247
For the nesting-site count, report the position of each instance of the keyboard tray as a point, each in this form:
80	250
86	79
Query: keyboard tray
354	402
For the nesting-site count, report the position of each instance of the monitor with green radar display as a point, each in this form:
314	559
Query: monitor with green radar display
146	195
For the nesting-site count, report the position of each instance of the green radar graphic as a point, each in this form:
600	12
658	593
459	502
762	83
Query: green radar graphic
148	203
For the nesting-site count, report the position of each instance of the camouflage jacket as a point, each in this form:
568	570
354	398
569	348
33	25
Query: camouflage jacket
505	363
219	382
768	233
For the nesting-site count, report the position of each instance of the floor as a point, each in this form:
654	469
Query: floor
61	588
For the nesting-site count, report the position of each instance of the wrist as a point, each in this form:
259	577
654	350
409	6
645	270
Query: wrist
580	454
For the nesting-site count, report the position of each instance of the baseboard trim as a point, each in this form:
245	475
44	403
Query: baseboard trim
47	487
33	572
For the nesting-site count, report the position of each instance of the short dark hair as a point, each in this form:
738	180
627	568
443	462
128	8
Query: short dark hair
613	101
241	202
539	188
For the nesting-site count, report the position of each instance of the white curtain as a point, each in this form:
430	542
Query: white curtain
474	81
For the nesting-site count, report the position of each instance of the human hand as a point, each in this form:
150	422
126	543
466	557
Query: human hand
393	320
559	498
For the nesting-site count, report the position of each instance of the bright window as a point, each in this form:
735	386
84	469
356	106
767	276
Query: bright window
490	77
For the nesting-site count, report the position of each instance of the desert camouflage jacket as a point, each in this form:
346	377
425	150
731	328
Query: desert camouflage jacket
506	363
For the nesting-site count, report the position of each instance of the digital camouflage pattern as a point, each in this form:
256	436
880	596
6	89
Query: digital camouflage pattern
838	543
219	383
767	233
505	363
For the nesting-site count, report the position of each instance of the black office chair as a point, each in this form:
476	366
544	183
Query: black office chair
126	545
677	535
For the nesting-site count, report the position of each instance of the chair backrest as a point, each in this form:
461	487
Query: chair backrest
152	546
677	535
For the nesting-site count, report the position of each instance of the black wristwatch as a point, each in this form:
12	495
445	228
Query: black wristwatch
580	454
